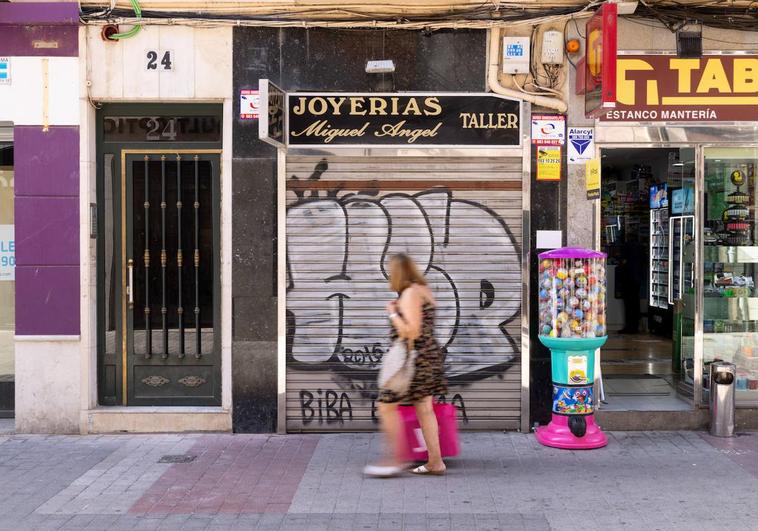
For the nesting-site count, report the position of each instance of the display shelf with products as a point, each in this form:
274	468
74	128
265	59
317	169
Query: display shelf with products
730	265
659	258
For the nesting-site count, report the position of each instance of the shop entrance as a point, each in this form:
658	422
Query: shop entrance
648	232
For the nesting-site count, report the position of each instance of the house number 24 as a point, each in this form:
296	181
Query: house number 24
160	60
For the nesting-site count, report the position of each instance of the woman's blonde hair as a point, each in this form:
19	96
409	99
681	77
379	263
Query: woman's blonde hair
404	273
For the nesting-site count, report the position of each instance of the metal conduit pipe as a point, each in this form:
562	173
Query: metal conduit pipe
494	83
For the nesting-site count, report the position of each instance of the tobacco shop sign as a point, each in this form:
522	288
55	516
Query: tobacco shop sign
430	120
666	88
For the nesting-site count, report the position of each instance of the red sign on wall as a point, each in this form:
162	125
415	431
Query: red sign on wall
667	88
600	61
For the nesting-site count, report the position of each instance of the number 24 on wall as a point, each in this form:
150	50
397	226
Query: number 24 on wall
166	60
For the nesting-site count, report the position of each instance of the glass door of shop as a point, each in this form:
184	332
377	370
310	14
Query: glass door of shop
681	289
730	266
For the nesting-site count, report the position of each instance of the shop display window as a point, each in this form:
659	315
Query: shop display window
7	263
730	265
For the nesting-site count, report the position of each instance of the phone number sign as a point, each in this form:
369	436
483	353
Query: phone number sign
7	253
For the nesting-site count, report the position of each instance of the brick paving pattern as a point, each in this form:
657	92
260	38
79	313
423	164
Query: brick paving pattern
662	480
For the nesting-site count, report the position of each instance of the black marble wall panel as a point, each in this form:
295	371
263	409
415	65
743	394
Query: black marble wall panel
548	205
298	60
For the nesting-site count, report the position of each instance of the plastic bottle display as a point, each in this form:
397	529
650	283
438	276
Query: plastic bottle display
572	297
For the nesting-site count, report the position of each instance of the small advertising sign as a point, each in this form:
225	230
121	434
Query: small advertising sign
592	178
548	130
5	70
7	253
549	163
250	104
600	61
271	125
581	144
666	88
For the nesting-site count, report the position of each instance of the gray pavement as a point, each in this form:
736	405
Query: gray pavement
642	480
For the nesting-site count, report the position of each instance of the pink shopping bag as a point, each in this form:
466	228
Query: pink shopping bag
415	447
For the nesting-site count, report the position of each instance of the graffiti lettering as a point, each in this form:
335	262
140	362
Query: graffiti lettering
367	356
326	408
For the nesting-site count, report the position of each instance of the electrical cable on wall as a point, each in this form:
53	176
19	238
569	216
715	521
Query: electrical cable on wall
734	16
137	27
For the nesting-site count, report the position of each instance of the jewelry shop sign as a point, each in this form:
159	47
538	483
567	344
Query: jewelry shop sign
401	120
666	88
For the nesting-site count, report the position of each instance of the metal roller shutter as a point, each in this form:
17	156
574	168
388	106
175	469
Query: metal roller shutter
460	218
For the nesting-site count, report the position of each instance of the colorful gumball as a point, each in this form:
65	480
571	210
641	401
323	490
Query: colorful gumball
572	297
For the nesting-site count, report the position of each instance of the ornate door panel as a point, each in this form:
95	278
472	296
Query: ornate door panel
170	278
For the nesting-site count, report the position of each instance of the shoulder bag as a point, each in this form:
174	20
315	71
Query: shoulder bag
398	367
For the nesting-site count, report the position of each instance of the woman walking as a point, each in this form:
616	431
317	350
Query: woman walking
412	319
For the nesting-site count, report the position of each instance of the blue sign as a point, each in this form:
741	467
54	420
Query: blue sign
581	144
514	50
5	70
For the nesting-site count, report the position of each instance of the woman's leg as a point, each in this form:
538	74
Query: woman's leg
425	415
390	424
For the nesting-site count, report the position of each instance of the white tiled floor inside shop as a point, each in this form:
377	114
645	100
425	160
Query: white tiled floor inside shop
637	374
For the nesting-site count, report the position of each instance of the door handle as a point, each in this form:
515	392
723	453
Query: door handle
130	285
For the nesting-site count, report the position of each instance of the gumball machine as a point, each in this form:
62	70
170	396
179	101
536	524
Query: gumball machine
572	302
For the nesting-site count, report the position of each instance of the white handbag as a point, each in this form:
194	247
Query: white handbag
398	367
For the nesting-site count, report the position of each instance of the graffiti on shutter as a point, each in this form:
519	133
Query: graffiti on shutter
338	246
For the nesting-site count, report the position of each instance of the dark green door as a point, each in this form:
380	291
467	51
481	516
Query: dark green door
170	278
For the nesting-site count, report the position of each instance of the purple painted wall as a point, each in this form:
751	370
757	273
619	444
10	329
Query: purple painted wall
47	41
48	29
39	13
47	230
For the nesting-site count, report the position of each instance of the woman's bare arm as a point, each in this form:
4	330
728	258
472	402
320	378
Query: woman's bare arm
408	323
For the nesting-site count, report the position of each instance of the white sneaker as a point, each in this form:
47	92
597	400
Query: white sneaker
377	471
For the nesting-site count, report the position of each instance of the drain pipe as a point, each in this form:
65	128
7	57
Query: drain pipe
494	83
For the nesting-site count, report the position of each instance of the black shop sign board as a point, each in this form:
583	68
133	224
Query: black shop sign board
422	120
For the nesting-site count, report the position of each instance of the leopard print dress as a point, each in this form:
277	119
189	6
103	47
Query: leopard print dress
429	378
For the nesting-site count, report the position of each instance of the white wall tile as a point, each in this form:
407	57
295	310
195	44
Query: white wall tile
202	65
105	70
179	82
22	99
140	83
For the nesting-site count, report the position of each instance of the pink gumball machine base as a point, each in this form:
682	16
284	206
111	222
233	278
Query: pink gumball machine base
558	435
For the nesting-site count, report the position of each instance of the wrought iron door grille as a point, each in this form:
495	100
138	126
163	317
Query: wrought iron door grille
166	290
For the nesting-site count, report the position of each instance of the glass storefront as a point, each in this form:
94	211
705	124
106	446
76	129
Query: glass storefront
7	258
730	265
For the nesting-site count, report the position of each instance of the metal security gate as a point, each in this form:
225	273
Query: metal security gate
163	325
461	219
